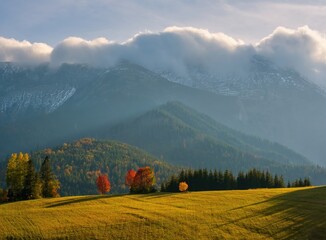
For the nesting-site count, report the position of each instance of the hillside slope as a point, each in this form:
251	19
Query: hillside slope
249	214
77	164
180	135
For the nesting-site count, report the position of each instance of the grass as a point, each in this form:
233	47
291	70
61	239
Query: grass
296	213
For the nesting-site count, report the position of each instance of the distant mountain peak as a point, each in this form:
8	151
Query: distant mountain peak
176	124
261	79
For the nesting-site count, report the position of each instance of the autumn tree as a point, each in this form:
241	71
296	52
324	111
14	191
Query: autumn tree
50	184
103	184
144	181
15	175
3	195
183	186
130	177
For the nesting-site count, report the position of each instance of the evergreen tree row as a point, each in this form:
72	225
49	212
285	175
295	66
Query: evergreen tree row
300	183
203	180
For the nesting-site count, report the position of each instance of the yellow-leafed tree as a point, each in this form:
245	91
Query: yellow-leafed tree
16	171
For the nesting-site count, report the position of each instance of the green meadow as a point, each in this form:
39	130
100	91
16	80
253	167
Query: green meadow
294	213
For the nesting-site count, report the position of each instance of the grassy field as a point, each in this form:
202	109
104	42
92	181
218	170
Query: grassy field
297	213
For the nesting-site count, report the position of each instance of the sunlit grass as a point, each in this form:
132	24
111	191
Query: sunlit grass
253	214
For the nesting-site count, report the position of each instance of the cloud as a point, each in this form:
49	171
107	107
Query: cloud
302	49
182	49
174	49
178	49
78	50
24	52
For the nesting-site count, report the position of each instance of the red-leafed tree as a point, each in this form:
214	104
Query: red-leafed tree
144	181
130	177
103	184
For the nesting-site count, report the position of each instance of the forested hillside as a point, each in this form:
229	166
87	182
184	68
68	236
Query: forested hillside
182	136
77	164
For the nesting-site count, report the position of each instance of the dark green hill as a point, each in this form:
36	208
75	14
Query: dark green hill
260	147
182	136
76	164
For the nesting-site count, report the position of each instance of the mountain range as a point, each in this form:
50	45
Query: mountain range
184	137
101	97
43	106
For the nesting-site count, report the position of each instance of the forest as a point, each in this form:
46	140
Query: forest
204	180
24	182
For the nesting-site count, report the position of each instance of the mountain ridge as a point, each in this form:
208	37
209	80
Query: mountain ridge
165	135
179	119
291	117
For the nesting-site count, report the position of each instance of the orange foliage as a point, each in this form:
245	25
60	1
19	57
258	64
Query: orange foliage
144	180
130	177
103	184
183	186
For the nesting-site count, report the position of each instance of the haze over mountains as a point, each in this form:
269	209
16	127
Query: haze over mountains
273	90
41	106
182	136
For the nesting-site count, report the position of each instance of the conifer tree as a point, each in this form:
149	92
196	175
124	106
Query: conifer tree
241	181
300	182
49	183
182	176
269	180
163	187
307	182
37	190
281	182
215	180
220	180
30	181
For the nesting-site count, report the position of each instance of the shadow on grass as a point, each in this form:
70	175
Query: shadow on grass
81	199
98	197
305	209
303	213
155	195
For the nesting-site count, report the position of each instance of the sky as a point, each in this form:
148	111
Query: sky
170	34
118	20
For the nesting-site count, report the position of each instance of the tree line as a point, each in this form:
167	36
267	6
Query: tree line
24	182
300	183
204	180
